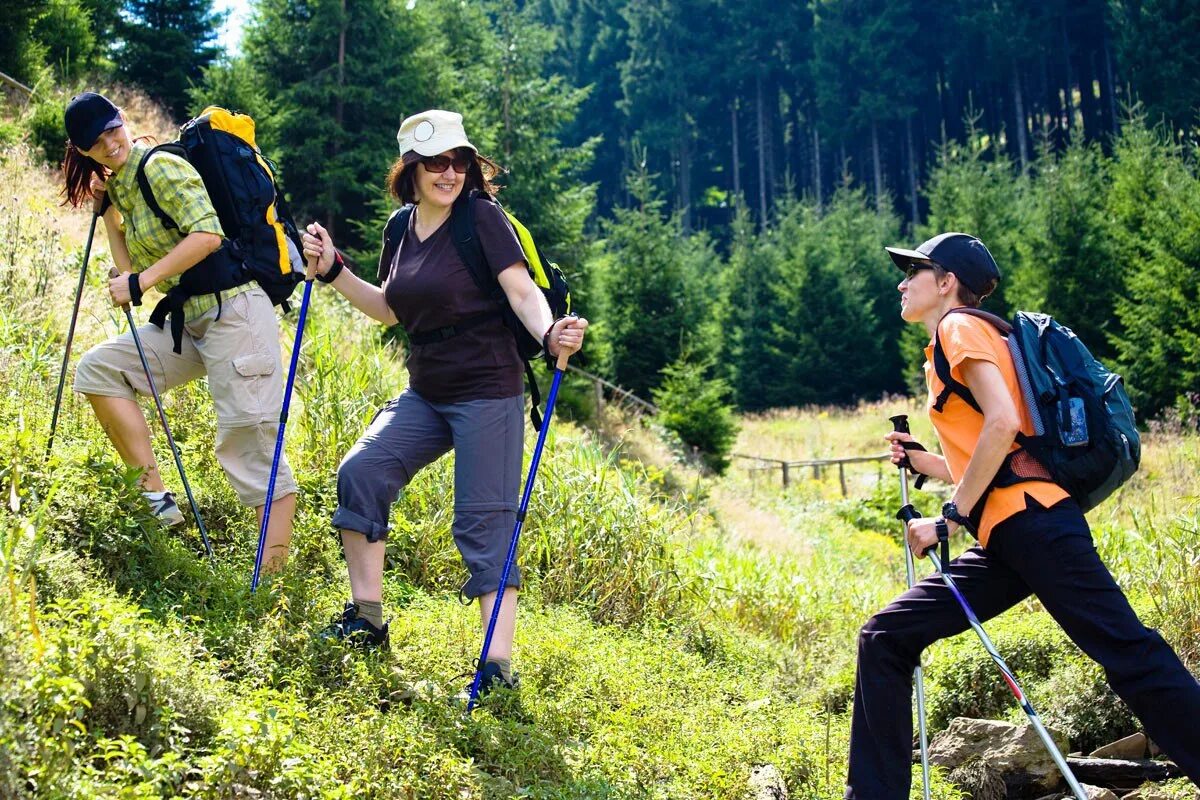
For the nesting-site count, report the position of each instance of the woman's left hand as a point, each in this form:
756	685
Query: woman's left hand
566	336
118	289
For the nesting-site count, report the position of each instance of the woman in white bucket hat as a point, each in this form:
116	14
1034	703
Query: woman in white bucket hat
466	389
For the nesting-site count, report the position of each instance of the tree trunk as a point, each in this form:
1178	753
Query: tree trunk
1089	106
737	151
1019	114
339	114
685	180
817	165
879	200
912	172
1110	90
1069	88
762	151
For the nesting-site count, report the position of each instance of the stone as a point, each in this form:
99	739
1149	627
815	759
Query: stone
1131	747
766	783
1098	792
1006	747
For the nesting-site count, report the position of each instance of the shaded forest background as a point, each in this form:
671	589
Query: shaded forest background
718	176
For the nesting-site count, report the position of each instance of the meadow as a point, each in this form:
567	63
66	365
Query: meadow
677	630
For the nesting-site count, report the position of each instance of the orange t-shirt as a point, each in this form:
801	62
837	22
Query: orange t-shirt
958	425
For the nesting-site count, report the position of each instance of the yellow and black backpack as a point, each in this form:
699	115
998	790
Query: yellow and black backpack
261	240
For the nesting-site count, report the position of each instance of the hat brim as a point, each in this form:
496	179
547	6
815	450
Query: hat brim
902	258
440	144
99	128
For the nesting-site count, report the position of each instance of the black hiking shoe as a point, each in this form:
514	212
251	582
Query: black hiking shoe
357	632
492	680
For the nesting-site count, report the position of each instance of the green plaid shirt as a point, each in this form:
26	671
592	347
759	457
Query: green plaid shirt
180	192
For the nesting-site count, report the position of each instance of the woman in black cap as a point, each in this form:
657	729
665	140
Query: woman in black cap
233	341
466	389
1032	540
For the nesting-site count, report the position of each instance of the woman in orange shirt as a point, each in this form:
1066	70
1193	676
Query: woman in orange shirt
1032	540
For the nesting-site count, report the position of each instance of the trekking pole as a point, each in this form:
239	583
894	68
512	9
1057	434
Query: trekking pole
62	374
309	274
900	425
559	368
909	513
162	418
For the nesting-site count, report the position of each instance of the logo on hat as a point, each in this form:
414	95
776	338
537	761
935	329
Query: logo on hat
424	131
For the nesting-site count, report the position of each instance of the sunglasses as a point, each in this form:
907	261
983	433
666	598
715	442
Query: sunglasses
438	164
915	267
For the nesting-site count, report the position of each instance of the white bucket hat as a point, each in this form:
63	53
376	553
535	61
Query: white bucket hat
432	132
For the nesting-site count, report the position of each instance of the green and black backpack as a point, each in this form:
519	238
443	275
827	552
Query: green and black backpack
546	276
261	240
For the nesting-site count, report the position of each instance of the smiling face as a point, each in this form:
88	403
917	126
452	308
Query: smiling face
111	148
439	189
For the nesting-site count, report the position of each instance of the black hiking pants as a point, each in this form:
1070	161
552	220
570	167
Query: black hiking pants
1047	553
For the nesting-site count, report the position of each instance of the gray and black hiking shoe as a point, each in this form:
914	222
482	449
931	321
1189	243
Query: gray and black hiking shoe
353	630
164	508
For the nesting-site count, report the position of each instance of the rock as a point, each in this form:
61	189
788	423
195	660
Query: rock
979	780
1148	793
1124	775
1098	792
1130	747
1006	747
766	784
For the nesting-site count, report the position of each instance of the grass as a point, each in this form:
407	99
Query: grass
676	630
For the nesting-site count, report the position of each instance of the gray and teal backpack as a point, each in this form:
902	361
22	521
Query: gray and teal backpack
1084	439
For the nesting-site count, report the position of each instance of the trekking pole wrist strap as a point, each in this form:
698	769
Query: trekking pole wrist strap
135	289
943	534
908	465
334	270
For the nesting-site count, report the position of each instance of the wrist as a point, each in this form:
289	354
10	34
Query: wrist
135	288
951	513
334	270
546	338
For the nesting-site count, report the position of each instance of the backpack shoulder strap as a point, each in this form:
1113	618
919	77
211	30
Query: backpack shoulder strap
466	242
393	231
941	364
143	182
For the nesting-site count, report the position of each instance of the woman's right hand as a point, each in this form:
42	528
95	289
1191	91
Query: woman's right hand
318	245
899	454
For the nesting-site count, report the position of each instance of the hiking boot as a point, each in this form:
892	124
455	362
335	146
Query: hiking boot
492	680
164	508
353	630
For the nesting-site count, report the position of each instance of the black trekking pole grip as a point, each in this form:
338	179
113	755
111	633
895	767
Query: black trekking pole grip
900	425
907	514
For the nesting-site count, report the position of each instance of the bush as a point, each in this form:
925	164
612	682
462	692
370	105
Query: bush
46	130
697	408
1077	701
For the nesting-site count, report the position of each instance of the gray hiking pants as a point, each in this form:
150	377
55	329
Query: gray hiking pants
410	432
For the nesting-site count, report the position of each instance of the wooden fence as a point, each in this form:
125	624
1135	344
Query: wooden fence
817	465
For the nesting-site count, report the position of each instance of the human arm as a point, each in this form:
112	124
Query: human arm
527	301
366	297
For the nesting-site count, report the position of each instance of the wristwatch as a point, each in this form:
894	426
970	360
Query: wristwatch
950	512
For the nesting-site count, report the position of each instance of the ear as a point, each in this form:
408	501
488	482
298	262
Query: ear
948	285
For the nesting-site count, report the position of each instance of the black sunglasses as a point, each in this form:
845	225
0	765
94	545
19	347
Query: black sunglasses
437	164
916	266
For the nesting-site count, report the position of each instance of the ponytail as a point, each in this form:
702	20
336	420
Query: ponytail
78	171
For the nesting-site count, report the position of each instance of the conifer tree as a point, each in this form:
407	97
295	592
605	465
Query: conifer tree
163	46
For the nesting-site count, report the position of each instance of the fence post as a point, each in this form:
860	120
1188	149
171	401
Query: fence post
785	474
842	477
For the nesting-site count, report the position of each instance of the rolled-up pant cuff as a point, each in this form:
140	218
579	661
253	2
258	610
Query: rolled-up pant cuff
347	520
488	581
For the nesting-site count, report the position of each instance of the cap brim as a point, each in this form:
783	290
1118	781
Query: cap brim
902	258
94	133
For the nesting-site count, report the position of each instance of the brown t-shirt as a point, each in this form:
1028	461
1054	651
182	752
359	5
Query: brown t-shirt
428	287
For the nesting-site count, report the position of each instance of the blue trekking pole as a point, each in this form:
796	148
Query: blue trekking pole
309	274
62	375
559	369
908	513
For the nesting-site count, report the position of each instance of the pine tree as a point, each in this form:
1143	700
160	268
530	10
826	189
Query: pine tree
164	46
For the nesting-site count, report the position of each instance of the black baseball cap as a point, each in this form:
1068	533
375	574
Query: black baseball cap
957	253
87	116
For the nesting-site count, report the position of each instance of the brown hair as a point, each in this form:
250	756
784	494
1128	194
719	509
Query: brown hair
480	173
966	296
78	171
